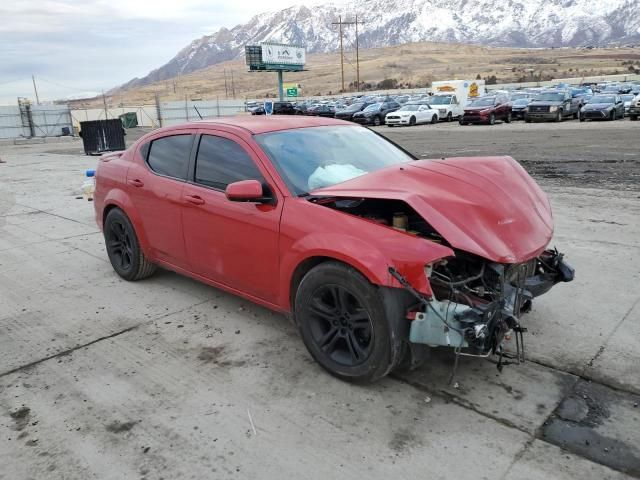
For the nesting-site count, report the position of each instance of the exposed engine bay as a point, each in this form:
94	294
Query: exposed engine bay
476	304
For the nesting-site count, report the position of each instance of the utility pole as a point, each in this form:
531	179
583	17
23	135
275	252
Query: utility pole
340	23
35	89
226	91
104	101
233	87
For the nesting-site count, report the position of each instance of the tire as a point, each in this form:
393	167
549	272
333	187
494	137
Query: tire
492	119
633	118
123	248
434	119
527	119
412	121
449	117
582	119
376	121
614	116
343	321
576	115
559	116
508	118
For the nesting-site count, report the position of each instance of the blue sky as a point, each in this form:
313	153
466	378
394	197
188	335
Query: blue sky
76	47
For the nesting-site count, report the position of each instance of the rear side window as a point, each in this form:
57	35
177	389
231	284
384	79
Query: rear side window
169	156
222	161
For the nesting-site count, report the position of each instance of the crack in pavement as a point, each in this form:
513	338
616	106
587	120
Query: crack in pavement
97	340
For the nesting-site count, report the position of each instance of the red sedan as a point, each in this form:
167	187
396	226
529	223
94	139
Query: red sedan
375	254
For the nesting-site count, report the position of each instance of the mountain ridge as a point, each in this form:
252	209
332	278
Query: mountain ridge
513	23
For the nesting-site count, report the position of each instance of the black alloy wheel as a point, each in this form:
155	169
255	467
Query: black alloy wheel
119	245
340	326
123	248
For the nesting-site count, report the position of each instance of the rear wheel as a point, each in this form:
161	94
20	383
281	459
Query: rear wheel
123	248
343	322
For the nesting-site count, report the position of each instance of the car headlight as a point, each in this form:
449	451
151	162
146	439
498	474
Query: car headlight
553	108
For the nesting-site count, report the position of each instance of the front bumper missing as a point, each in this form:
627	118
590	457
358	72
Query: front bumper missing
480	328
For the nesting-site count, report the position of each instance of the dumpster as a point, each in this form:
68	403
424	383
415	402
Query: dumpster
100	136
129	119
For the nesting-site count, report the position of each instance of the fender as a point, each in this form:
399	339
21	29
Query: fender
371	252
120	199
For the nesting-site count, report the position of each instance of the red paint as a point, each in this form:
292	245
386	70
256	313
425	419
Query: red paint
488	206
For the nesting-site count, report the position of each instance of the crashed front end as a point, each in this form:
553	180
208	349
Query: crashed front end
477	304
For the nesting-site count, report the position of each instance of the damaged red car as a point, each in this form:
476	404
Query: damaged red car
376	255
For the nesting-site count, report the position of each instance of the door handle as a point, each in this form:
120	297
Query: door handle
136	183
195	199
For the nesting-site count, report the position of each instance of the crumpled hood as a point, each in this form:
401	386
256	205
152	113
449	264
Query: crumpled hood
488	206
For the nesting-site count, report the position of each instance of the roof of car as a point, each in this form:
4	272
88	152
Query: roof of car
270	123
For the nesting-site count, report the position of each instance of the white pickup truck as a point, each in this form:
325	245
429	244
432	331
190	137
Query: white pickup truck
450	97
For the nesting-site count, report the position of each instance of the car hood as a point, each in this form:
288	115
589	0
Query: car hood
488	206
597	106
478	109
545	103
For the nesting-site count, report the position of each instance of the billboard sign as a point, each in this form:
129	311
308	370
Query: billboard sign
283	54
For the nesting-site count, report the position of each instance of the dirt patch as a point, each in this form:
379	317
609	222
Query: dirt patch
120	427
21	418
218	356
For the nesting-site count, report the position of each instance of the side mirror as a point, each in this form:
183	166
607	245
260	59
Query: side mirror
245	191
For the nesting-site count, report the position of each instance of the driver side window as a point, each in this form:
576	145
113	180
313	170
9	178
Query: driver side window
221	161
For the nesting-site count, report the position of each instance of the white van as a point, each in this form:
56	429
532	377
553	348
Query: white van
451	96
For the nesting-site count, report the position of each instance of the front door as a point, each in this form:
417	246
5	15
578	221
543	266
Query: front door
232	243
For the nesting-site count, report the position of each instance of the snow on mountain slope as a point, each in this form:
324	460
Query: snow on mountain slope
517	23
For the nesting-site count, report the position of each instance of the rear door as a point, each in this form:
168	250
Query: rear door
231	243
155	181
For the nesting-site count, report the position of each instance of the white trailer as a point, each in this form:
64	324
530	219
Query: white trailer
451	96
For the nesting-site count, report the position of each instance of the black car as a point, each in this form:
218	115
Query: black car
603	106
321	111
279	108
374	114
553	105
351	110
519	108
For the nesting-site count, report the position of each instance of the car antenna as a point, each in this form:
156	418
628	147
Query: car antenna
196	109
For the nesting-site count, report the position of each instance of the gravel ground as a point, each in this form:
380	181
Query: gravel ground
169	379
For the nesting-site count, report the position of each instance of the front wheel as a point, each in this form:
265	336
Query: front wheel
633	118
434	119
614	115
559	116
492	119
342	321
123	248
508	118
377	121
412	121
449	117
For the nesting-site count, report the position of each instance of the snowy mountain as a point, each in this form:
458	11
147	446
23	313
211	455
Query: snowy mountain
516	23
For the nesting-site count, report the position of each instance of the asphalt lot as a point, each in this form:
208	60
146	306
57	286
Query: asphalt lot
168	378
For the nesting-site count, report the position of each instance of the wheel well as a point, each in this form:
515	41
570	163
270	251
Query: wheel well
106	211
304	267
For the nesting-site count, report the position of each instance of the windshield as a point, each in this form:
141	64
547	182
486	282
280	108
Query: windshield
440	100
316	157
627	98
603	99
371	108
482	102
550	97
521	101
410	107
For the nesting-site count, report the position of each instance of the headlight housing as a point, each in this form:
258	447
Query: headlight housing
553	108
